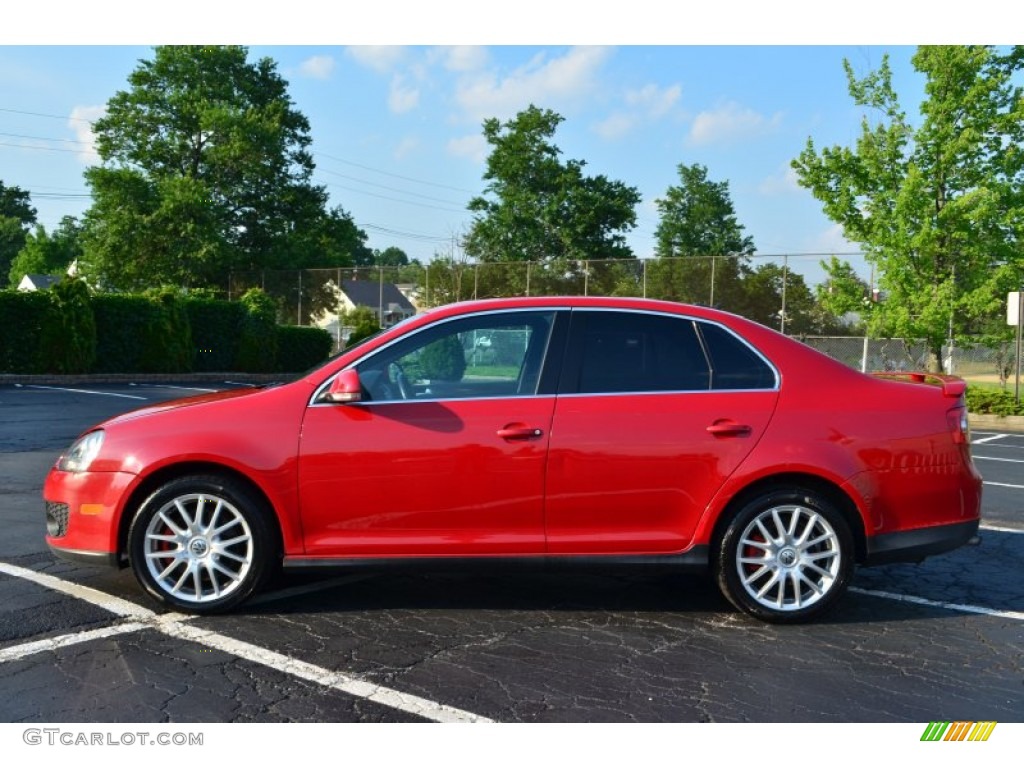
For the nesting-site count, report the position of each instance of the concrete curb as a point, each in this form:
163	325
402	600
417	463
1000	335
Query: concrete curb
999	423
142	378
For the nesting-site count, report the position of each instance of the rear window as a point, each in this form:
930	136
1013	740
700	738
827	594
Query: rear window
636	352
734	365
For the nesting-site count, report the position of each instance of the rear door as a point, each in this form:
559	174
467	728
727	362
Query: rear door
654	412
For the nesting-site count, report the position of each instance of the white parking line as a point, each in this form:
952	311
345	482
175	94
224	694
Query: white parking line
16	652
1000	529
93	596
1001	485
988	439
1015	615
353	686
85	391
171	386
996	458
175	625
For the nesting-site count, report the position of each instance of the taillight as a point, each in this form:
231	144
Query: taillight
959	426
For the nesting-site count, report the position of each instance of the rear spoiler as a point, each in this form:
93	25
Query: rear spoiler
952	386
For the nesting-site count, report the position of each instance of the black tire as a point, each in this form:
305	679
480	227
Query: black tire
203	544
786	557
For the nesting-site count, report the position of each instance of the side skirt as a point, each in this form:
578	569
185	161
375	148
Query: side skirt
694	560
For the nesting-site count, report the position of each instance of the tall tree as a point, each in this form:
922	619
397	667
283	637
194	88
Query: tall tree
48	253
701	249
540	209
844	293
936	203
780	299
16	219
205	169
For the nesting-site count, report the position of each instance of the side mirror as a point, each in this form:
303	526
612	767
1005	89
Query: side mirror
346	388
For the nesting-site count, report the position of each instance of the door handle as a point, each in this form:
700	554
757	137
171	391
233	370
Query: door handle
726	428
512	432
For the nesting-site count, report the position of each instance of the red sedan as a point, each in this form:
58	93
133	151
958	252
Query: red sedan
568	430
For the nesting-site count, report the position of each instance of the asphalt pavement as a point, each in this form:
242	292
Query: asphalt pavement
941	640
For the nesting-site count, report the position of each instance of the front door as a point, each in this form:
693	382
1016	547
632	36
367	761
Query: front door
444	456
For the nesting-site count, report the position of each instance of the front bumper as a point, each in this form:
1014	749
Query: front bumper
915	545
83	511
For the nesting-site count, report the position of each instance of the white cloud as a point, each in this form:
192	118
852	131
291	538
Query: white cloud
782	183
542	81
401	97
381	58
653	101
473	146
831	240
731	122
318	67
405	146
80	121
615	126
463	58
644	105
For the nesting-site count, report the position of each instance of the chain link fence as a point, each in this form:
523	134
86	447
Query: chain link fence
783	298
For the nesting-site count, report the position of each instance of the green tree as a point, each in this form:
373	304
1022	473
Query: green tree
936	203
16	219
701	250
780	299
363	321
390	257
538	208
844	292
205	169
48	254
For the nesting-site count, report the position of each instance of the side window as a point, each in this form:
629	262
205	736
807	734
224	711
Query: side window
638	352
734	365
497	355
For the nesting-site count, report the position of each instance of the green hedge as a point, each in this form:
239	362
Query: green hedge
68	338
23	316
65	330
257	341
300	348
215	331
999	402
141	334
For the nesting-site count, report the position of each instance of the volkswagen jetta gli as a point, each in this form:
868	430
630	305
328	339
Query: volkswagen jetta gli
548	430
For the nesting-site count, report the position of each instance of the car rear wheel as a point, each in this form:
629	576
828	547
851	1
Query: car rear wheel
786	556
202	544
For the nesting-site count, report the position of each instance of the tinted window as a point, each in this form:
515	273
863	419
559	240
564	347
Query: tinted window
734	365
493	355
637	352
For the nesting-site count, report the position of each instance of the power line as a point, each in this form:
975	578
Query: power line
39	147
395	175
44	114
395	199
46	138
389	189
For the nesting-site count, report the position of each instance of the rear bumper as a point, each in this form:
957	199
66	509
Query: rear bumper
915	545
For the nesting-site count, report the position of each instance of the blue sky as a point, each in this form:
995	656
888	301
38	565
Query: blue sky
397	129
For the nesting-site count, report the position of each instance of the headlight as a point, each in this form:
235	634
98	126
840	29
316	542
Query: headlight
81	453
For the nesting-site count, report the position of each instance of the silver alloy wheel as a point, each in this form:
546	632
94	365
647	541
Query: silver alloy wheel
198	547
788	557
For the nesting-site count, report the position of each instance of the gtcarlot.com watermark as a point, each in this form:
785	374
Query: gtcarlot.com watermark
53	737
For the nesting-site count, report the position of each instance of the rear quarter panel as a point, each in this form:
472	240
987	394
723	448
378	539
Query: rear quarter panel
887	444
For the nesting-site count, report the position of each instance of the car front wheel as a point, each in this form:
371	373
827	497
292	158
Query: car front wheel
202	544
786	556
